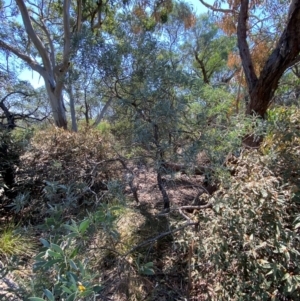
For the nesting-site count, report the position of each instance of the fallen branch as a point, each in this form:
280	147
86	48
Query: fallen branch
184	215
151	240
174	167
209	205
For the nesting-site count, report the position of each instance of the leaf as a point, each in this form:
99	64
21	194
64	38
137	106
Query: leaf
149	264
297	226
148	272
83	226
71	297
73	265
51	263
57	248
97	288
48	294
38	265
270	272
286	276
45	242
74	253
40	256
71	228
53	254
66	290
36	299
74	223
297	277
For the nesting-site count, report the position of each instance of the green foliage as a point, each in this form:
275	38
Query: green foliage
61	265
146	268
20	202
152	64
15	242
282	131
72	279
209	50
104	128
215	129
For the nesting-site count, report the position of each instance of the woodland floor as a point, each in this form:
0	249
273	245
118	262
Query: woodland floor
171	278
149	234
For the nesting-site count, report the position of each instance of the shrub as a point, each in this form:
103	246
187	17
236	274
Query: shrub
248	247
65	168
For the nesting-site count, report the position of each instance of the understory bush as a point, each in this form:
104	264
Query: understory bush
63	170
12	145
248	246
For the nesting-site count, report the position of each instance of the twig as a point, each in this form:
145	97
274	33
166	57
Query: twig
130	179
209	205
184	215
146	242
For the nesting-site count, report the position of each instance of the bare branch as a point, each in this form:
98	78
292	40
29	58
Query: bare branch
16	92
213	8
67	33
99	117
33	36
50	41
188	219
79	16
67	44
151	240
33	64
295	61
207	206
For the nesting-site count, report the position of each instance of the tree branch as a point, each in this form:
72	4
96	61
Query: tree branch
220	10
99	117
44	28
33	36
16	92
67	32
244	47
33	64
67	44
202	67
79	16
151	240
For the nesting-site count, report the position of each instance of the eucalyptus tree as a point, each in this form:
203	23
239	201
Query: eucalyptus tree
264	61
95	56
41	34
148	91
210	49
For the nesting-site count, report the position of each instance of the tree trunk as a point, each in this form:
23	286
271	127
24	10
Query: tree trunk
86	112
72	109
286	54
103	111
52	71
57	106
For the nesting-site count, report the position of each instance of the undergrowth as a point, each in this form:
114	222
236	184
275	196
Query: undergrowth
95	243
